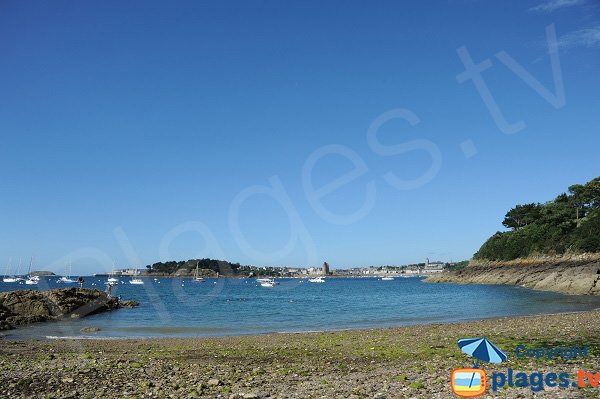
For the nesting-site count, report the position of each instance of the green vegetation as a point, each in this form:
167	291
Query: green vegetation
222	267
568	224
456	266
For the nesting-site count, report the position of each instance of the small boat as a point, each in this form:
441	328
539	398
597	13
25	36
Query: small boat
316	280
387	278
267	282
112	279
66	279
137	281
197	278
7	278
31	280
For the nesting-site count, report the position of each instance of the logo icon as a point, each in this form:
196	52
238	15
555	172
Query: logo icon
468	383
471	382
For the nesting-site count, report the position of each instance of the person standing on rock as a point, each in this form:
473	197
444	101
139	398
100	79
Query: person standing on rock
109	289
80	280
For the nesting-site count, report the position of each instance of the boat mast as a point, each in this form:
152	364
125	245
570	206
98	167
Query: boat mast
8	266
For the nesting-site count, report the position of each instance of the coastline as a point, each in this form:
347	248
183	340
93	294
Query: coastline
401	362
574	275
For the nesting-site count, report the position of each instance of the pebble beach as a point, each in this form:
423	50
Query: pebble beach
405	362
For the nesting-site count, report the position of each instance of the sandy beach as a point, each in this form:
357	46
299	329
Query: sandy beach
405	362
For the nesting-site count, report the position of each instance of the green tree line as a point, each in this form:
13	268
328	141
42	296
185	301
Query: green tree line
224	268
569	223
220	266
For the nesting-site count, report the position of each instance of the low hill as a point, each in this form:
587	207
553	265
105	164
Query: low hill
569	224
554	246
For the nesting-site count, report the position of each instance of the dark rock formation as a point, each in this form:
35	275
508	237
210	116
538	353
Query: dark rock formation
129	304
27	306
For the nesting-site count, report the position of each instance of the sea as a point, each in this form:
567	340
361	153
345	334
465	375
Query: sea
176	307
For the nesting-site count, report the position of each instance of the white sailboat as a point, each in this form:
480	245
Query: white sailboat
17	276
316	280
387	278
113	279
197	278
31	280
7	278
66	279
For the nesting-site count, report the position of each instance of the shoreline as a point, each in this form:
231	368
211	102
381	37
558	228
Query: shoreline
7	336
572	277
13	335
400	362
324	331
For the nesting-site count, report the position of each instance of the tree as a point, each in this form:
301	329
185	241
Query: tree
550	228
593	192
522	215
578	197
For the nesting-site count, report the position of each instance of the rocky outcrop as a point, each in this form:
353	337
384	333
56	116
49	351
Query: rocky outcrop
42	273
183	272
28	306
570	277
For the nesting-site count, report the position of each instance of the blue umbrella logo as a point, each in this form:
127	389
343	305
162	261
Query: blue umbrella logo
481	349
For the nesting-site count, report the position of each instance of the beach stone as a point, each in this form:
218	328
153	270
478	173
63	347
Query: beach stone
214	382
129	304
89	329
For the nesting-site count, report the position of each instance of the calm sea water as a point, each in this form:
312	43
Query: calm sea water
181	308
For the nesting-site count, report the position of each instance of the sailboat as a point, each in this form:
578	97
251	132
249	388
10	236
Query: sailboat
31	280
197	278
7	278
67	277
113	279
17	275
316	280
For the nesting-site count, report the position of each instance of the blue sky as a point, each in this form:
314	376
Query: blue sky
142	131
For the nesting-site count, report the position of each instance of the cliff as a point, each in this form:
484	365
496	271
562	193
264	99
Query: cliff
567	274
28	306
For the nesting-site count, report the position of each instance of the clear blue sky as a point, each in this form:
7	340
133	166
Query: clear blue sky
126	125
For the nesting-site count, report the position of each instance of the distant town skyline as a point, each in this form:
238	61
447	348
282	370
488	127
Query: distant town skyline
287	133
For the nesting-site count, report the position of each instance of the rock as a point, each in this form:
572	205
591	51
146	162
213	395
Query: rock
27	306
566	276
250	396
89	329
128	304
214	382
42	273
